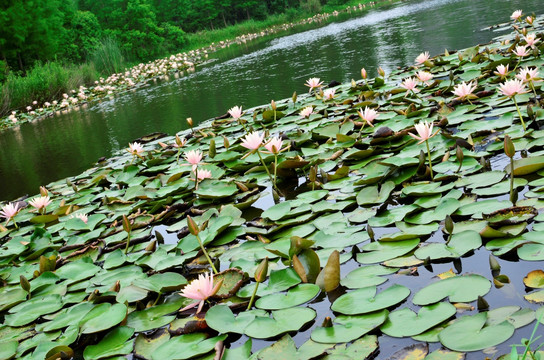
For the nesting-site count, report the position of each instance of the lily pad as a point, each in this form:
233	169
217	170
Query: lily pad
114	343
459	289
405	322
365	300
294	296
349	328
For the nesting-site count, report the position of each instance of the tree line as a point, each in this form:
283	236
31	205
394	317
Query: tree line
72	30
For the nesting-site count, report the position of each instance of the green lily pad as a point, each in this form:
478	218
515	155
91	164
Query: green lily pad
365	300
215	189
470	333
114	343
527	165
513	314
186	347
281	321
349	328
405	322
294	296
8	349
69	316
459	289
279	280
145	346
32	309
459	245
102	317
366	276
380	251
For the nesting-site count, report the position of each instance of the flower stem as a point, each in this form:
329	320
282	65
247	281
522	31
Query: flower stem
519	62
206	254
519	113
128	242
275	168
196	179
512	179
253	296
267	171
430	160
534	91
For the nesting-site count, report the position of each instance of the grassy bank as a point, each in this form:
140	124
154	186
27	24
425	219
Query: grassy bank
47	82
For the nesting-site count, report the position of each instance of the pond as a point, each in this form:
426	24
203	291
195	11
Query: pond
37	153
365	228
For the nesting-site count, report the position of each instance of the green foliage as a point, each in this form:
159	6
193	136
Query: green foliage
107	57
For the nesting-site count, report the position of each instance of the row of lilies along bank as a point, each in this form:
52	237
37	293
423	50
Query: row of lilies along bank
237	229
142	74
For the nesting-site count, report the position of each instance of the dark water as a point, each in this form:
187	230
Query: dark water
37	153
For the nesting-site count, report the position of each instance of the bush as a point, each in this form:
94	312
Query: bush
108	58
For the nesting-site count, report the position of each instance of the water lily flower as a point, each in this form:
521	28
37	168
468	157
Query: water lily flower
512	88
274	145
329	94
193	157
530	20
502	70
424	76
531	40
363	73
9	211
180	142
410	84
516	15
253	141
464	90
236	112
200	289
313	83
203	174
83	217
369	115
307	111
424	130
521	51
421	58
135	148
40	203
528	75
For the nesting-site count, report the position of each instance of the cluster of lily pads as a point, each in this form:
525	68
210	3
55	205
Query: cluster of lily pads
143	73
322	198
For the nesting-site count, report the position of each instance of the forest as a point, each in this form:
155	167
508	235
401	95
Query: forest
74	31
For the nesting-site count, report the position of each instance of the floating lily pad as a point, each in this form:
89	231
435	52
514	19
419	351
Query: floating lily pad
349	328
365	300
379	251
459	289
294	296
186	347
281	321
470	333
114	343
534	279
405	322
102	317
459	245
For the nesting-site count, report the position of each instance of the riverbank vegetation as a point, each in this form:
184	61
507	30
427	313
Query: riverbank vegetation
326	225
49	48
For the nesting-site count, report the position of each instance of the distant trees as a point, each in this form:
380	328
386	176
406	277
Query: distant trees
74	30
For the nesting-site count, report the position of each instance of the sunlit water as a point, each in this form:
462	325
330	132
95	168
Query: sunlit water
37	153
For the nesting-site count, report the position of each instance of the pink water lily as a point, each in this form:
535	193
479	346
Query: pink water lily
200	289
424	76
236	112
512	88
203	174
421	58
253	141
521	51
135	148
180	142
424	130
464	90
274	145
531	40
82	217
502	70
369	115
40	202
527	75
329	94
363	73
9	211
307	111
516	15
530	20
193	157
313	83
410	84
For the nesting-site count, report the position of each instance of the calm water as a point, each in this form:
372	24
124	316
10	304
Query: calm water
38	153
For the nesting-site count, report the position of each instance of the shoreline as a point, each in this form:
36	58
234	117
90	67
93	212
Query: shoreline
143	73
